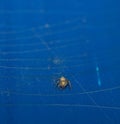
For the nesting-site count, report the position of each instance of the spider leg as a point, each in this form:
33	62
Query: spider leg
69	83
57	82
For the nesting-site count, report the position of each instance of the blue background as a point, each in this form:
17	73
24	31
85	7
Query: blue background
42	40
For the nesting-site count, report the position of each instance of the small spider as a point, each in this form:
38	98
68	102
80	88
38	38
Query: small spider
62	83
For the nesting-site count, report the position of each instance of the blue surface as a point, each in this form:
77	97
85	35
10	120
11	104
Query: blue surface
42	40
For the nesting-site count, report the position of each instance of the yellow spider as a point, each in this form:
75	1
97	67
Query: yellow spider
62	83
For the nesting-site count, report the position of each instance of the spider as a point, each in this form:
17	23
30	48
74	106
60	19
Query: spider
62	83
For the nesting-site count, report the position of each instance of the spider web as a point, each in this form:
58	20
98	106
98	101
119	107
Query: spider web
33	58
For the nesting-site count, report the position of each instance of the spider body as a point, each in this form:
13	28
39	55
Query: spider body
62	83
